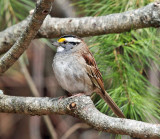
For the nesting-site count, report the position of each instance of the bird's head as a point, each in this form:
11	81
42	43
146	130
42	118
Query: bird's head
67	43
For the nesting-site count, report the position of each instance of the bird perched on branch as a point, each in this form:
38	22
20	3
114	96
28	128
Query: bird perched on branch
76	70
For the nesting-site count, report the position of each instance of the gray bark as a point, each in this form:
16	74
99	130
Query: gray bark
81	107
148	16
42	9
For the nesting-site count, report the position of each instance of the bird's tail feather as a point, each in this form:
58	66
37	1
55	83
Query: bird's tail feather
111	104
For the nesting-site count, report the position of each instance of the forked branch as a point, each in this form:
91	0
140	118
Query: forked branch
148	16
42	9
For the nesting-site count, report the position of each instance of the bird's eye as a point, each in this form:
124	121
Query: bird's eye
64	42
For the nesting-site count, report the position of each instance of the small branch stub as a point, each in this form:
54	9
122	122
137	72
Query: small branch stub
45	12
156	4
72	105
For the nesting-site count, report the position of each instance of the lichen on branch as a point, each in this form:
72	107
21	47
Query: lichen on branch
81	107
148	16
42	9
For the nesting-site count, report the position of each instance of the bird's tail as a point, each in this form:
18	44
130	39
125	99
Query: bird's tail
111	104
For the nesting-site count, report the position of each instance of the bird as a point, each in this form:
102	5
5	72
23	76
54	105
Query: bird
76	70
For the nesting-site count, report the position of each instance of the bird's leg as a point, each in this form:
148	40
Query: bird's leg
60	98
67	93
70	94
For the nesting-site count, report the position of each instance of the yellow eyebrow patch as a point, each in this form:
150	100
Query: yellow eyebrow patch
61	40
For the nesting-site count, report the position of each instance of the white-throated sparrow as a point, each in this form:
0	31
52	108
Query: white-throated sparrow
76	70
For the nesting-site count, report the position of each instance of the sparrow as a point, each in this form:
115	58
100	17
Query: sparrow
76	70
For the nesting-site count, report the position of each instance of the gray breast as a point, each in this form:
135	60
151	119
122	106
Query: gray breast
71	75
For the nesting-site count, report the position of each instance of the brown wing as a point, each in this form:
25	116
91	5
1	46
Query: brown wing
92	69
96	78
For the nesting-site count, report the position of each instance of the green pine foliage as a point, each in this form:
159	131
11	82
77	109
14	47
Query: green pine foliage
13	11
124	60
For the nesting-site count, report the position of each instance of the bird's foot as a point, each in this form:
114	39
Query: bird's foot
60	98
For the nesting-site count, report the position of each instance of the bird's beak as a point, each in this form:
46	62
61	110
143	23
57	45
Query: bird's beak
55	44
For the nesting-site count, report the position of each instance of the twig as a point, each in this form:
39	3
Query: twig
42	9
35	93
50	127
148	16
38	64
34	127
73	129
29	80
81	107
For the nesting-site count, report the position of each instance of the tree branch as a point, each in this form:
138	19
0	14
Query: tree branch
81	107
148	16
42	9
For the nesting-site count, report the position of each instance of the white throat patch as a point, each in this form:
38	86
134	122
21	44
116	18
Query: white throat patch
60	49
